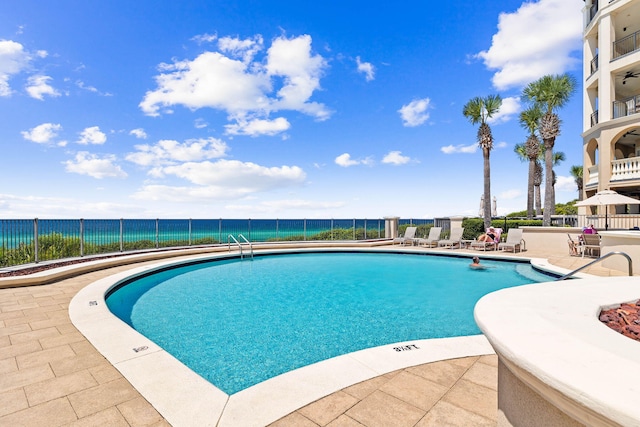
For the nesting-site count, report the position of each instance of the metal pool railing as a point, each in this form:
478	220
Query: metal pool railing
24	241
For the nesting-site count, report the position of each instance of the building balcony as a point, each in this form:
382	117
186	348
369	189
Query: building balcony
626	107
626	45
625	169
621	170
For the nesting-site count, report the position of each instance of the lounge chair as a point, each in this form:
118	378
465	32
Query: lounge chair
492	245
409	236
575	246
432	239
454	239
591	244
514	241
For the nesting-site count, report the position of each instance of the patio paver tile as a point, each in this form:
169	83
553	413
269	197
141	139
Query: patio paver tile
474	398
444	414
101	397
110	417
58	387
12	401
43	357
484	375
77	363
328	408
105	373
34	335
18	349
294	419
365	388
63	339
384	410
444	372
344	421
415	390
139	412
24	377
52	414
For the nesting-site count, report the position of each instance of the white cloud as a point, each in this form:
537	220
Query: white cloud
466	149
509	194
345	161
366	68
395	158
415	113
258	127
525	49
200	123
204	38
501	144
223	179
509	107
566	183
43	133
245	49
138	133
169	152
92	135
94	166
13	60
278	206
37	86
245	89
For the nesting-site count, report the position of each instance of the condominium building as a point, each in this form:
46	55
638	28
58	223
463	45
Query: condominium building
611	99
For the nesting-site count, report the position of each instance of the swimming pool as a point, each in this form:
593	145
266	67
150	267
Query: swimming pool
237	323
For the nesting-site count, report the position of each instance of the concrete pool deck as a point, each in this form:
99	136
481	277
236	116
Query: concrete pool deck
51	374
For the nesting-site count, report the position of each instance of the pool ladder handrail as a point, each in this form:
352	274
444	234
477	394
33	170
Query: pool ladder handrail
230	237
605	256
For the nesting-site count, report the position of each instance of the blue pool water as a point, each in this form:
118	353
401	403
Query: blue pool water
237	323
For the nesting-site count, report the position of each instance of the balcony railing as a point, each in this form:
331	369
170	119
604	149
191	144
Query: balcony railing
592	177
626	107
626	45
594	118
592	11
625	169
594	65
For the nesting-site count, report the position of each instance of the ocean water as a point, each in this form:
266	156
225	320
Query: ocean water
237	323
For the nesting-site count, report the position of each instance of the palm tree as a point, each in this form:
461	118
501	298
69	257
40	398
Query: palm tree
576	173
529	120
479	110
549	93
537	182
557	158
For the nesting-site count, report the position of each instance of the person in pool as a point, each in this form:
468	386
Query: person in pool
476	263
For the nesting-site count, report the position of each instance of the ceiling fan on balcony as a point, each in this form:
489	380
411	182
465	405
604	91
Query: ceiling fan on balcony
629	75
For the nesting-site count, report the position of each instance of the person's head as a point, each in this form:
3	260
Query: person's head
491	229
476	260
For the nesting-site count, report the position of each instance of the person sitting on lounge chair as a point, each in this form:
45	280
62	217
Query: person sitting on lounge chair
489	236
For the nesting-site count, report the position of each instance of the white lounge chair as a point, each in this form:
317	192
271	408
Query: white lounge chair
409	236
492	245
454	239
514	241
432	239
591	244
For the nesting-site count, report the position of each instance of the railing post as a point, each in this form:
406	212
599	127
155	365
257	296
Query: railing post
157	232
277	228
121	234
81	237
365	229
189	231
35	240
331	228
304	230
249	227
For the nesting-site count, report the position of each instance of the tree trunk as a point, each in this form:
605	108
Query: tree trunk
530	188
487	188
538	201
549	209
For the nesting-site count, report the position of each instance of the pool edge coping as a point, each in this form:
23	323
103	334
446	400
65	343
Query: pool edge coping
139	359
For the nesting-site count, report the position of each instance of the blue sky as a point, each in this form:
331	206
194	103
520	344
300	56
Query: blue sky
273	109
